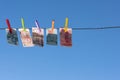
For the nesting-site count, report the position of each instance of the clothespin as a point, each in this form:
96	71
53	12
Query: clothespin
37	24
23	24
9	26
66	25
53	22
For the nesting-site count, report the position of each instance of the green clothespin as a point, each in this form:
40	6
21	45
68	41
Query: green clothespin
23	24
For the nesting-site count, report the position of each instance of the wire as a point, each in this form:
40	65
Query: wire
99	28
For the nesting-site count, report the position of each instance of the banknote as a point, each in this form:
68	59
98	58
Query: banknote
12	37
38	36
51	36
26	38
66	37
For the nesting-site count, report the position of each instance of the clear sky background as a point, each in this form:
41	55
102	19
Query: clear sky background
95	54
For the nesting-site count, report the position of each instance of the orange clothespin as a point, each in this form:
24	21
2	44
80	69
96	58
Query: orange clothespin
53	22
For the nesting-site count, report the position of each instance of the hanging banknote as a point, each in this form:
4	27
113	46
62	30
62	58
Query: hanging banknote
66	37
26	38
12	37
51	36
38	36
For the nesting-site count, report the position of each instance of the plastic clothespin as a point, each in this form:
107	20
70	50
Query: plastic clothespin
66	25
37	24
9	26
23	24
53	22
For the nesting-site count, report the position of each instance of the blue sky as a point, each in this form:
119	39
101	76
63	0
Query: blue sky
94	55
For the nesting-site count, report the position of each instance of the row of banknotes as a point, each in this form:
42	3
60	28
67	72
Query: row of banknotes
37	37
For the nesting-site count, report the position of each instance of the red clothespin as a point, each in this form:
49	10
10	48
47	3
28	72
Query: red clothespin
8	24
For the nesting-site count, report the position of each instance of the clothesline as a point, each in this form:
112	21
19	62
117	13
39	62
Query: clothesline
81	28
37	37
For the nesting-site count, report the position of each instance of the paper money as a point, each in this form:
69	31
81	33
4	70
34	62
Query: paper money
38	36
51	36
66	37
12	38
26	38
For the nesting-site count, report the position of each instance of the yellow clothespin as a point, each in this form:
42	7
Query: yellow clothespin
66	25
